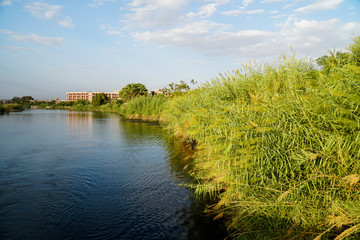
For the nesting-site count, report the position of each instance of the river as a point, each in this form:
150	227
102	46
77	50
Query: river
89	175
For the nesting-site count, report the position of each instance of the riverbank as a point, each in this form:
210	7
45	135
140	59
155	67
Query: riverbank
145	108
278	147
11	107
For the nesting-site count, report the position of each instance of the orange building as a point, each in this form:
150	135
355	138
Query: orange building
73	96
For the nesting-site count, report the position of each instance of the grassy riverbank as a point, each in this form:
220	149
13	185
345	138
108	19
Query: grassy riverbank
11	107
146	108
278	147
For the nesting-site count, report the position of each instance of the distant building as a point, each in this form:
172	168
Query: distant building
73	96
158	91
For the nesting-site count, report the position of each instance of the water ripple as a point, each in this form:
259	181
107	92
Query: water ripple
93	176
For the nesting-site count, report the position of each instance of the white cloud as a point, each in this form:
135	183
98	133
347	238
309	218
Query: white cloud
163	14
155	13
164	23
239	12
205	11
33	38
306	36
312	36
43	10
205	36
66	22
221	2
272	1
320	5
98	3
247	2
110	30
50	12
5	3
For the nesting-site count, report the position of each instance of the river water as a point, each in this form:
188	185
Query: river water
85	175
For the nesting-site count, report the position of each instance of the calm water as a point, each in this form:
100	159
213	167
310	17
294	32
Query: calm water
72	175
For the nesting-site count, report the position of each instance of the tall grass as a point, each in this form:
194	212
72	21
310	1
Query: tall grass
279	148
145	107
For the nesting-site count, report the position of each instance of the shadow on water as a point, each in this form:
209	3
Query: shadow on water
199	225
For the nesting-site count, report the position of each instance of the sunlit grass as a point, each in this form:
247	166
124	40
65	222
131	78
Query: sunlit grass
145	107
279	147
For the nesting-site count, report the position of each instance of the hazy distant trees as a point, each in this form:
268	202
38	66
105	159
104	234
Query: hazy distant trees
15	100
23	99
132	90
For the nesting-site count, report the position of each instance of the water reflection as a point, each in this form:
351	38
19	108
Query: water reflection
79	122
178	154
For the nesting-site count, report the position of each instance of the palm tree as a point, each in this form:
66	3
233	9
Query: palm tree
132	90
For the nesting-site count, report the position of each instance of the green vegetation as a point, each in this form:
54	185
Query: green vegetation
16	104
175	89
278	147
145	107
11	107
83	102
99	99
133	90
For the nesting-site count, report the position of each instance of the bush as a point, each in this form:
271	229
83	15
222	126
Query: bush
81	102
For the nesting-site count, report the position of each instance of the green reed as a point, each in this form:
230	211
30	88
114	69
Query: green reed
278	147
145	107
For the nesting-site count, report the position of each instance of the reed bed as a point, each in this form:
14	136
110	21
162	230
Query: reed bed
145	108
278	147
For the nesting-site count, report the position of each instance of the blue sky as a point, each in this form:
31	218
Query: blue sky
50	47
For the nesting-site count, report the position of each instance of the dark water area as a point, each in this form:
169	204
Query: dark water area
84	175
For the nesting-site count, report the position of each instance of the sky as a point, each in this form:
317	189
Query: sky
51	47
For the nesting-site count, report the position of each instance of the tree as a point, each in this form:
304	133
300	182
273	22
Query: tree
339	59
15	100
332	60
193	82
132	90
177	88
100	99
26	98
